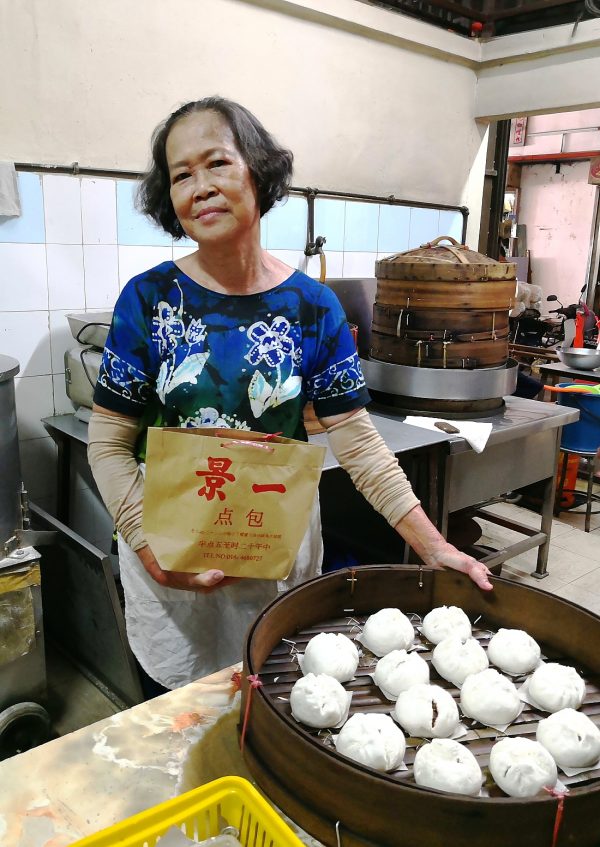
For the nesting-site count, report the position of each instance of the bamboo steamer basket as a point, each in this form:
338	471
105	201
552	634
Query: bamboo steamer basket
331	796
442	306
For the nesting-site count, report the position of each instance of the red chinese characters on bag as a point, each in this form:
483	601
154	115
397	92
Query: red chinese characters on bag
218	475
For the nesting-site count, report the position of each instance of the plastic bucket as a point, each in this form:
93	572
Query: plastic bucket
584	434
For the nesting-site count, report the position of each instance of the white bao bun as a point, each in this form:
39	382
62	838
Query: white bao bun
387	630
373	740
513	651
332	654
399	671
455	658
571	738
555	687
521	767
447	766
445	621
490	698
427	711
319	701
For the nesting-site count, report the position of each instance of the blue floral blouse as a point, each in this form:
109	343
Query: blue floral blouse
178	354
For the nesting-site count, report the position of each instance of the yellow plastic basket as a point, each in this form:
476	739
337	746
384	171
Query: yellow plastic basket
200	814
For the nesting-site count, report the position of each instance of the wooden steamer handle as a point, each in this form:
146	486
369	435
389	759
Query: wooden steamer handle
453	250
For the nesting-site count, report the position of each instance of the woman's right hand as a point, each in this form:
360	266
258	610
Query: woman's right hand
201	582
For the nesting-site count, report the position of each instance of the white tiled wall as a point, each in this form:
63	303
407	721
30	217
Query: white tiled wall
80	239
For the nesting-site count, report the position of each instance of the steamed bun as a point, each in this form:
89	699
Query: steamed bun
445	621
387	630
555	687
427	711
398	671
521	767
513	651
455	658
331	654
319	701
571	738
447	766
490	698
373	740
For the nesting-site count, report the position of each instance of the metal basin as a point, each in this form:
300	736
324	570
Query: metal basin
581	358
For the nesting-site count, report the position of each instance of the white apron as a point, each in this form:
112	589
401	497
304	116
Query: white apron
179	636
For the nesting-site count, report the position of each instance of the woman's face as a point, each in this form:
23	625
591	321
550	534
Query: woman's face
212	190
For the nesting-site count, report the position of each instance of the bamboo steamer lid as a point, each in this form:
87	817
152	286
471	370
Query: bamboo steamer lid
453	262
449	276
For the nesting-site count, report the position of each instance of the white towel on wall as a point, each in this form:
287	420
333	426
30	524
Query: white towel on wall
10	205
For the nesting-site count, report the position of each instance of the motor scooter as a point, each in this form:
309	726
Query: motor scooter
579	325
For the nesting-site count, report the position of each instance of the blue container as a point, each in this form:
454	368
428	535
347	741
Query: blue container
583	435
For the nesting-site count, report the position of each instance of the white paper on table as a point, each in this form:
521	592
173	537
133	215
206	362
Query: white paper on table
476	433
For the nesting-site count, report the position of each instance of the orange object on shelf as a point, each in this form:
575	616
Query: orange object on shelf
579	322
567	500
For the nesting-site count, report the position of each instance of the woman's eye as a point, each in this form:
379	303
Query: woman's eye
180	177
218	163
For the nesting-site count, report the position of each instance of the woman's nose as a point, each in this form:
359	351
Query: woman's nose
203	184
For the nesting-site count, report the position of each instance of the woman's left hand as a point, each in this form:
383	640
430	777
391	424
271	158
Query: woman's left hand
449	557
416	528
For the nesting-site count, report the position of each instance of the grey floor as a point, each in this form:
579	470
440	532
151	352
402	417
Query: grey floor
73	701
574	573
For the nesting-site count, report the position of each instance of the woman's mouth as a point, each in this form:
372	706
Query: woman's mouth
209	214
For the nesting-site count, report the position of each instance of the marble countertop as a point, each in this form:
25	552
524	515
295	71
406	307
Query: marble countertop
83	782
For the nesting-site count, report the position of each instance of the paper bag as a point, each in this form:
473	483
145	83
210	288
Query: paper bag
235	500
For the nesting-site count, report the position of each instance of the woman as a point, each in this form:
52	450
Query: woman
228	336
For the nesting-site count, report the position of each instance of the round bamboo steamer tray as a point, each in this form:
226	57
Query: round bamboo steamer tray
466	326
432	354
341	802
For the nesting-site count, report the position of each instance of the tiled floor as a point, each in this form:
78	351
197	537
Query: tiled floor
573	561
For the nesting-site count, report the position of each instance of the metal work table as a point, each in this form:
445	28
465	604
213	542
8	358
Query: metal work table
551	373
522	449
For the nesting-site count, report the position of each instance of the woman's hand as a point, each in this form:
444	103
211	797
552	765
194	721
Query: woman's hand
201	582
448	556
418	531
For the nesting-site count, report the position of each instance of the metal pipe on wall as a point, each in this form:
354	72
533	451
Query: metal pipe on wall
309	193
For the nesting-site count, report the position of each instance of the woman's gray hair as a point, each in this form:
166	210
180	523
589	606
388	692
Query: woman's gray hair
270	165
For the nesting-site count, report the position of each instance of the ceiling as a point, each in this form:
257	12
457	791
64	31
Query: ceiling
494	17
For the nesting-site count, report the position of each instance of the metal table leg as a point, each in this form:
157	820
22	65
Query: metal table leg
547	514
63	475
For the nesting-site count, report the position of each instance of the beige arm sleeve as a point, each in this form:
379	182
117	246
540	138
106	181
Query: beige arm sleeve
111	444
372	466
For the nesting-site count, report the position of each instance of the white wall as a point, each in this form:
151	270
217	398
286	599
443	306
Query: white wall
557	210
551	70
565	132
94	79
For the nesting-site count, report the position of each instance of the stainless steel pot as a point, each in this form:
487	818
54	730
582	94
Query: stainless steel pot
10	466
